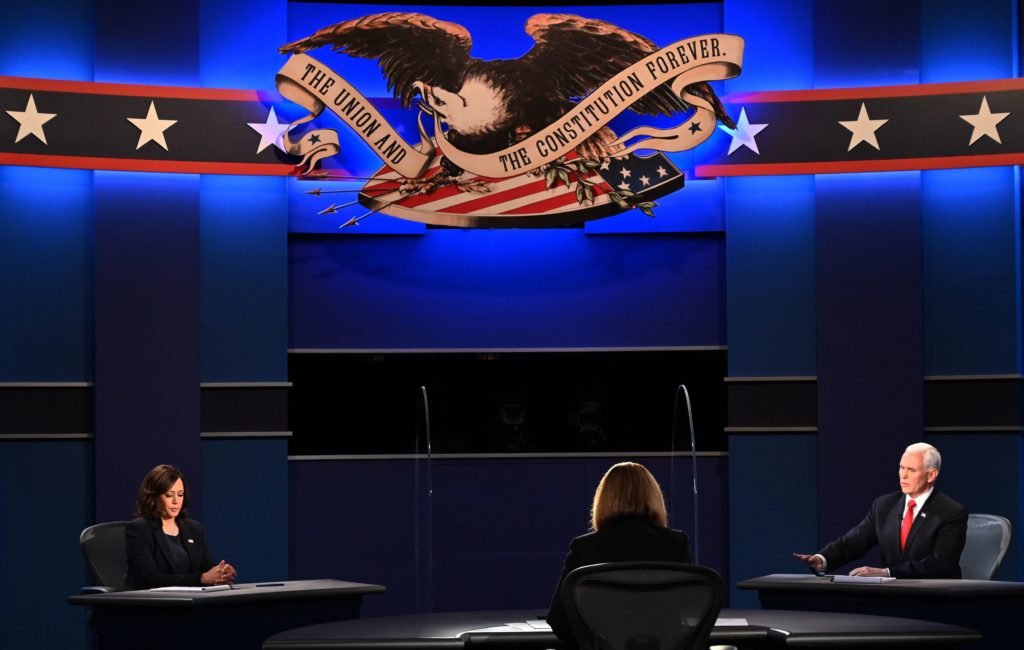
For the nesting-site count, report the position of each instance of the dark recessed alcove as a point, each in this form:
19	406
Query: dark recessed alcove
505	402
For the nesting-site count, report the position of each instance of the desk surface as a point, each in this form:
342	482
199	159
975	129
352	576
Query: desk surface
461	630
245	593
918	589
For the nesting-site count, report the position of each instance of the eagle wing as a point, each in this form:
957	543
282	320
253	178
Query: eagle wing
408	47
577	55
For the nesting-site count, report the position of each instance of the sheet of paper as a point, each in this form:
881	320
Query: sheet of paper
731	622
864	580
539	625
210	588
520	626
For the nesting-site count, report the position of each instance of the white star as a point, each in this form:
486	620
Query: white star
605	164
623	185
863	128
30	121
271	132
645	181
984	122
151	128
743	134
662	172
625	172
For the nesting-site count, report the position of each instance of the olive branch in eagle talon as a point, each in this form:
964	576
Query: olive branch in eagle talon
427	185
572	171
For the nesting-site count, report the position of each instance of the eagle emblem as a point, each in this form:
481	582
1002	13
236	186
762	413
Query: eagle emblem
484	107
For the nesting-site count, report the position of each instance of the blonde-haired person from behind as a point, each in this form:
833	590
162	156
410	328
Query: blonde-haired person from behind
628	524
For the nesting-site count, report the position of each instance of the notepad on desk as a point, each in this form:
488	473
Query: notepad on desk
208	588
864	580
527	626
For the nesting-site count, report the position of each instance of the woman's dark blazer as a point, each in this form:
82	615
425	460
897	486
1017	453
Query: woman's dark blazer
628	539
149	556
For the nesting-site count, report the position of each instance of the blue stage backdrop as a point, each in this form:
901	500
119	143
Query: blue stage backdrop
147	317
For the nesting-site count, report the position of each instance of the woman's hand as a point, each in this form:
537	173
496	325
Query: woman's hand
221	574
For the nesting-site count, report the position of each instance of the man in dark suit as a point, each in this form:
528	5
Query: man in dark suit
919	530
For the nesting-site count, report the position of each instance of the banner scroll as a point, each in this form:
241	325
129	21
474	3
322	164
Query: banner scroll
711	57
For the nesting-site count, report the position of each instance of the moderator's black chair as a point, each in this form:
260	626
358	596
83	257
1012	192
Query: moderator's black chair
104	549
988	536
642	605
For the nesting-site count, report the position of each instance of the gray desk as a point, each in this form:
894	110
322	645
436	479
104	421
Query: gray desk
491	631
235	618
991	607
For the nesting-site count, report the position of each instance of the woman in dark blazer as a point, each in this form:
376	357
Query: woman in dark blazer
629	524
164	547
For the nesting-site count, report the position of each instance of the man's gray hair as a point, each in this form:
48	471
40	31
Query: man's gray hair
932	458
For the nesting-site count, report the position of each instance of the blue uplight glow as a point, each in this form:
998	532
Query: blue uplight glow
35	44
46	252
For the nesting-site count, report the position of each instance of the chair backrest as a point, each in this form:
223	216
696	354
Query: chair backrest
987	539
642	605
104	549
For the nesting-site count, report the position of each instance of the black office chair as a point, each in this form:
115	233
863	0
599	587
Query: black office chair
642	605
988	536
104	549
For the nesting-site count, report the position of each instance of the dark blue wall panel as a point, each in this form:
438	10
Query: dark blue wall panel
778	40
46	241
46	492
771	307
245	505
147	333
244	278
971	217
148	42
968	461
772	518
506	288
238	41
35	43
355	521
968	41
506	523
870	381
865	43
971	271
770	276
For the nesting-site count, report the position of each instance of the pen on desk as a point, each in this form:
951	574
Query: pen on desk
270	584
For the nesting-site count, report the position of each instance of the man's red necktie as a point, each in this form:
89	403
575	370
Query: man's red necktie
908	521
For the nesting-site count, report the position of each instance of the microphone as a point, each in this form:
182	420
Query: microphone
693	459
